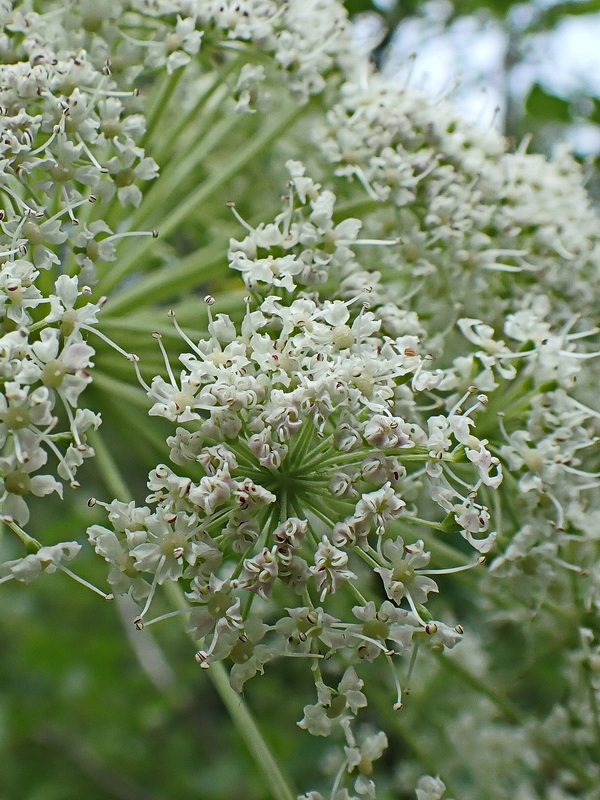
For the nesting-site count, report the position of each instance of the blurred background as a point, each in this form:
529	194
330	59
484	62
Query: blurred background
88	712
530	69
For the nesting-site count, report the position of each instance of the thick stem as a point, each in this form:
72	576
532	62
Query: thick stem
243	719
160	102
233	702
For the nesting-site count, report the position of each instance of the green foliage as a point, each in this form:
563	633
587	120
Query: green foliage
546	107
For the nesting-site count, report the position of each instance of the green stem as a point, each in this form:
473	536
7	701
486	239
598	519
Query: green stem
169	143
242	719
160	102
233	702
32	545
483	688
194	199
108	469
151	210
171	280
122	391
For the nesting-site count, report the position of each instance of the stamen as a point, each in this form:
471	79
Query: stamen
503	431
350	242
71	207
585	486
338	779
450	570
167	616
502	268
59	128
209	301
91	156
18	229
357	635
138	374
202	656
83	582
156	335
580	472
230	204
290	212
581	356
560	522
419	369
366	185
138	42
457	407
18	200
98	91
398	704
562	250
448	470
48	441
573	567
152	233
138	620
582	334
411	665
184	335
71	418
413	608
106	339
21	250
22	457
589	411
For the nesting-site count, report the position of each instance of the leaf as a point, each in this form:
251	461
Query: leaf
355	7
552	16
594	115
547	107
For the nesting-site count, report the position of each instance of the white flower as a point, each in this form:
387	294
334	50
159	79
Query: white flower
45	560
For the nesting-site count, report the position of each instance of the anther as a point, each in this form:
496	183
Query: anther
201	659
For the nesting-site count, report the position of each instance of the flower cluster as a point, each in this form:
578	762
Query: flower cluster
471	217
302	458
298	460
409	386
68	144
